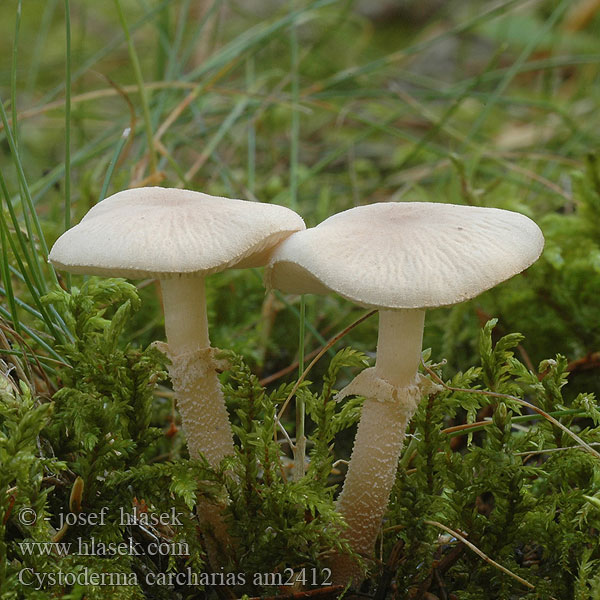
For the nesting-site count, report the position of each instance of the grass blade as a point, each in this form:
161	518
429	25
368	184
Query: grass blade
35	228
68	125
515	67
113	163
142	90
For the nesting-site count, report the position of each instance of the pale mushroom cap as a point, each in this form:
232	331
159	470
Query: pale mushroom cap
163	233
407	254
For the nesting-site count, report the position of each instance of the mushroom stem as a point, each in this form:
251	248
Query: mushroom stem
391	396
193	371
184	303
399	345
200	400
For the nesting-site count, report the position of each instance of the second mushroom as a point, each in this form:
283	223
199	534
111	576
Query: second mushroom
400	258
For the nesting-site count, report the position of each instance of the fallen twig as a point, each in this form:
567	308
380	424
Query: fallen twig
322	592
389	570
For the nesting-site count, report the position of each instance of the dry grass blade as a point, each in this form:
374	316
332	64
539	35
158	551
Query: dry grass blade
539	411
5	345
580	14
176	113
98	94
21	374
287	370
479	553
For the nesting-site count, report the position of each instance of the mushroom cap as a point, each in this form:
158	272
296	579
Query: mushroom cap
164	233
407	254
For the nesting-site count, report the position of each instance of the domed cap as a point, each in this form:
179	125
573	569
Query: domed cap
407	254
159	232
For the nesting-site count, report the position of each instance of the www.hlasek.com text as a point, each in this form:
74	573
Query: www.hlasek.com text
93	547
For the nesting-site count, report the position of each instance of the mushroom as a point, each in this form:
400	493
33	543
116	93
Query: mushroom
179	237
400	258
